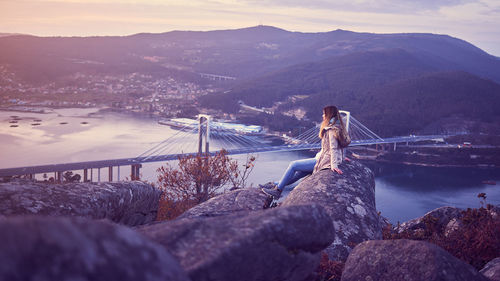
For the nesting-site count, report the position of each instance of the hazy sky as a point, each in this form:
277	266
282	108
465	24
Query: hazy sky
476	21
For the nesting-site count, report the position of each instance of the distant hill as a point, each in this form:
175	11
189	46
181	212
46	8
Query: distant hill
392	91
41	60
255	51
242	53
353	73
410	105
9	34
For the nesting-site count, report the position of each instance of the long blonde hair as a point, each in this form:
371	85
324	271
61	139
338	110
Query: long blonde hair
330	112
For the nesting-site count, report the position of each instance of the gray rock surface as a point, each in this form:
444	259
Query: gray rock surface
273	244
130	203
492	270
444	216
248	199
406	260
349	200
64	248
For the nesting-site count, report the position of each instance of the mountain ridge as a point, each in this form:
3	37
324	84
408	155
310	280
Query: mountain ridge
251	52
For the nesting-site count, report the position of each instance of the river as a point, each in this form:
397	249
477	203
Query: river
73	135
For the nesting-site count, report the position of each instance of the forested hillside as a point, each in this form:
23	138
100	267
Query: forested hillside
391	91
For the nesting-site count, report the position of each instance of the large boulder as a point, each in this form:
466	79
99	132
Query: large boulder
62	248
272	244
439	218
349	200
407	260
248	199
130	203
492	270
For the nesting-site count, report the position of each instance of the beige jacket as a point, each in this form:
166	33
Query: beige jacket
330	155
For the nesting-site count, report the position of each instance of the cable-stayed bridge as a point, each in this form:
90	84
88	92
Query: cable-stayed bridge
191	139
204	136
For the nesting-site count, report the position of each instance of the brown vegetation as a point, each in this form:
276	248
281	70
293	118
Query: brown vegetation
197	179
476	241
328	270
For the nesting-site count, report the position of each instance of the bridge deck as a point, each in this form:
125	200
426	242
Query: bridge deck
139	160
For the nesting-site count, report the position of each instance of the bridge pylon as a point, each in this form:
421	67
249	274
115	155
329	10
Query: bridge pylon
204	130
346	117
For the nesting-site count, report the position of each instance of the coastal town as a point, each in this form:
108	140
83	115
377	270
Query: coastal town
134	92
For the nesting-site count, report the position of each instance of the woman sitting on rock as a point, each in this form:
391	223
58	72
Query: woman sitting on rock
334	139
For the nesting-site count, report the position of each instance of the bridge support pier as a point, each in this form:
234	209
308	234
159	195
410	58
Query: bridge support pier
59	177
118	179
138	171
135	172
98	174
394	146
110	173
85	175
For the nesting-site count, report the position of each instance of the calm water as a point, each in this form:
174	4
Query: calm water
405	192
72	135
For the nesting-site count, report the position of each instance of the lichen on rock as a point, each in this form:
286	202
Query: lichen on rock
72	248
131	203
273	244
248	199
406	260
349	200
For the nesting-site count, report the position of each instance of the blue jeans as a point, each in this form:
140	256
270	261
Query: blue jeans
297	170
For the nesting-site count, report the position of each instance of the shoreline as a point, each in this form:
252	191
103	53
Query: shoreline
485	167
27	110
478	156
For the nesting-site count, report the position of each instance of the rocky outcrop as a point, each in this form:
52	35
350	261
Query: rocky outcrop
45	248
440	217
130	203
492	270
273	244
406	260
349	200
445	220
249	199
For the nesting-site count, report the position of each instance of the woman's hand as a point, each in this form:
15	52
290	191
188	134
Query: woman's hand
338	171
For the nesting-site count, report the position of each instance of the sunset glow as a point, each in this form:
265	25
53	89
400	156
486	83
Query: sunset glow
475	21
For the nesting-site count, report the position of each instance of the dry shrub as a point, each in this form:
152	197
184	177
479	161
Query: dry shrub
476	241
328	270
169	209
196	179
